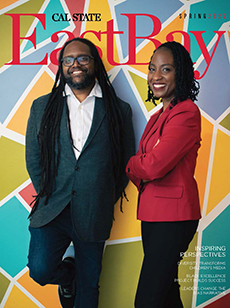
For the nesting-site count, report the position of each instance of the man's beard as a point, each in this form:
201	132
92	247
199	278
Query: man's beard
87	81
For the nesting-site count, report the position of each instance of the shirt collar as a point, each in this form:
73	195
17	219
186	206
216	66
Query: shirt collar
96	90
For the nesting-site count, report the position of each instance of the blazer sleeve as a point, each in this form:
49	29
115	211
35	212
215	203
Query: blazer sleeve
129	144
137	181
32	149
129	139
180	133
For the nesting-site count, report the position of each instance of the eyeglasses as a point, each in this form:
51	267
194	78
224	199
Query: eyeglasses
82	60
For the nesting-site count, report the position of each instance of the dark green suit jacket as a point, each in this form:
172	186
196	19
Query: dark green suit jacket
87	183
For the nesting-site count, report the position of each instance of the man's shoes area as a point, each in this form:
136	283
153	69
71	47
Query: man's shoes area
67	293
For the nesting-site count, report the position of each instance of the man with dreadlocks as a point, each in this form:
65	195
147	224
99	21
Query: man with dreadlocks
78	141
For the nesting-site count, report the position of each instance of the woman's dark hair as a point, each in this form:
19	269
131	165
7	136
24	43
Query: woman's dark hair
49	134
186	85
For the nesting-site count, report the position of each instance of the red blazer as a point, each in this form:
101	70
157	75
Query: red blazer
167	158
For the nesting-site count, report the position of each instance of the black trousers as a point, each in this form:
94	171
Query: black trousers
163	243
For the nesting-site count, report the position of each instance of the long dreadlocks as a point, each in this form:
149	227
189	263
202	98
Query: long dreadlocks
49	134
186	85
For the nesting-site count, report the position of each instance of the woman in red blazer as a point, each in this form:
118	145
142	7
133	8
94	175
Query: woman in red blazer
163	171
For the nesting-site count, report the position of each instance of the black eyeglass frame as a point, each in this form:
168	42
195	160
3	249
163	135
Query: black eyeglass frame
76	58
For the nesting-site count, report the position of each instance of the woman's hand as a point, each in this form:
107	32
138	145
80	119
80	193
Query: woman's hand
147	181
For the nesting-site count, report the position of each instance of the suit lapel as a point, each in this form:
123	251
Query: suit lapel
149	130
154	123
98	116
65	133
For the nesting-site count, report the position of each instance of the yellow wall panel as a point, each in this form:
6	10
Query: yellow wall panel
12	166
126	224
220	184
5	3
46	295
17	299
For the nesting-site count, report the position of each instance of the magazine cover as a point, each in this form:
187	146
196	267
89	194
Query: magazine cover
126	33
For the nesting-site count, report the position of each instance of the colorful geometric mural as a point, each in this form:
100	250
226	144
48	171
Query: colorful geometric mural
203	27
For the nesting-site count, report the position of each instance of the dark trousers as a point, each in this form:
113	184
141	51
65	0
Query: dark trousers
163	243
47	247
